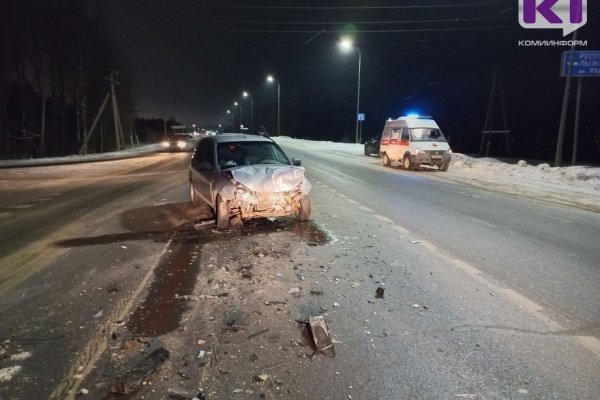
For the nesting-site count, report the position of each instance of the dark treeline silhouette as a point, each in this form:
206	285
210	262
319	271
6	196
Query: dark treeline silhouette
153	130
54	58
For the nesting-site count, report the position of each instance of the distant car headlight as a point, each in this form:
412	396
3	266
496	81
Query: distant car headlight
181	144
164	143
449	151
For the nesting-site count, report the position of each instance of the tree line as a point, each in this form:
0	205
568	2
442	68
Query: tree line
54	60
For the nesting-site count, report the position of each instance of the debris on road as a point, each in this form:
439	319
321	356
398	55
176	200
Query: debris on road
255	334
320	336
132	381
379	293
261	377
295	291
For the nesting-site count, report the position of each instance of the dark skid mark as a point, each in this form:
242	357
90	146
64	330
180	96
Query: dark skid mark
309	231
175	275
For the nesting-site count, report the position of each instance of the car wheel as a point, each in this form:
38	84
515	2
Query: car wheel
304	213
407	163
223	215
367	152
386	160
444	166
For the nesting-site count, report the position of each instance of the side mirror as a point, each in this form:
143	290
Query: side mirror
296	162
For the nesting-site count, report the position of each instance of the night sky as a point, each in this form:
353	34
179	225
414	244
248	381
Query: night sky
192	60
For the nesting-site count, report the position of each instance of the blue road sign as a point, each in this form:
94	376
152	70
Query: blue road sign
361	116
585	63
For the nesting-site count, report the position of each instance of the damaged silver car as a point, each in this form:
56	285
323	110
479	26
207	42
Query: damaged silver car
247	176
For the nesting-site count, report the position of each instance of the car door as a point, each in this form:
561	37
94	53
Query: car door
204	169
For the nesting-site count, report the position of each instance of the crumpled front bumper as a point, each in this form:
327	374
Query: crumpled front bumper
250	204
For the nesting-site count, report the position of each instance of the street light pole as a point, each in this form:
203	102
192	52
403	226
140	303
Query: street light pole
346	44
358	96
271	79
246	94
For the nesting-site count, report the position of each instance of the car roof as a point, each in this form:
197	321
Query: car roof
239	137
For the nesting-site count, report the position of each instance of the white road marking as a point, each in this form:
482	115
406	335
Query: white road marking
367	209
384	219
20	207
356	203
400	229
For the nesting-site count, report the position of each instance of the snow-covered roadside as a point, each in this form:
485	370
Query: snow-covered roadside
577	185
115	155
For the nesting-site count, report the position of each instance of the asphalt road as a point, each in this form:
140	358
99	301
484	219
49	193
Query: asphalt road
487	296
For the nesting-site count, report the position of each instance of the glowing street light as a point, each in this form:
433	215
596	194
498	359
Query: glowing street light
347	45
270	79
246	94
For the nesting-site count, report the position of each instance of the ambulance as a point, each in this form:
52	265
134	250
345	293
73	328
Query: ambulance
414	141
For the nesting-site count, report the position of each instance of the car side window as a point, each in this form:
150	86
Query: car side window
204	156
208	156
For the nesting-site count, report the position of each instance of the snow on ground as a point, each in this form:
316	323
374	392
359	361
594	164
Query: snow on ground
115	155
576	185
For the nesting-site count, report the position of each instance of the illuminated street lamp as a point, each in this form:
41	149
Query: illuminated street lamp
270	79
347	45
236	104
246	94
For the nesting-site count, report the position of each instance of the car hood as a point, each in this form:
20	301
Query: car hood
271	178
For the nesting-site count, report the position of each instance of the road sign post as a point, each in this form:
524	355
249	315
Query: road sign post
582	64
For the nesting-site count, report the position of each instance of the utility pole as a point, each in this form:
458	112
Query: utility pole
119	136
116	117
565	106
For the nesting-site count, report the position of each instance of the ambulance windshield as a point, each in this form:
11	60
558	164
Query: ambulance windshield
427	135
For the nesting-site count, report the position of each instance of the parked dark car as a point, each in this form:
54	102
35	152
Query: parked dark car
372	146
247	176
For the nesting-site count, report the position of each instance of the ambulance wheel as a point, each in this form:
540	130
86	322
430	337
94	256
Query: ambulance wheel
223	214
444	166
407	163
386	160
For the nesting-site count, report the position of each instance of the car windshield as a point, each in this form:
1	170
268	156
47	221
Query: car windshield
236	154
427	134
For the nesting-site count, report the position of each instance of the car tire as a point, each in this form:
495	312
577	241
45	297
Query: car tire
367	153
386	160
444	165
407	163
222	213
304	213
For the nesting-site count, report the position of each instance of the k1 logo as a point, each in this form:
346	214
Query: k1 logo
568	15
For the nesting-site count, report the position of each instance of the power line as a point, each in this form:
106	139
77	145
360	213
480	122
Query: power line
358	30
353	22
363	8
